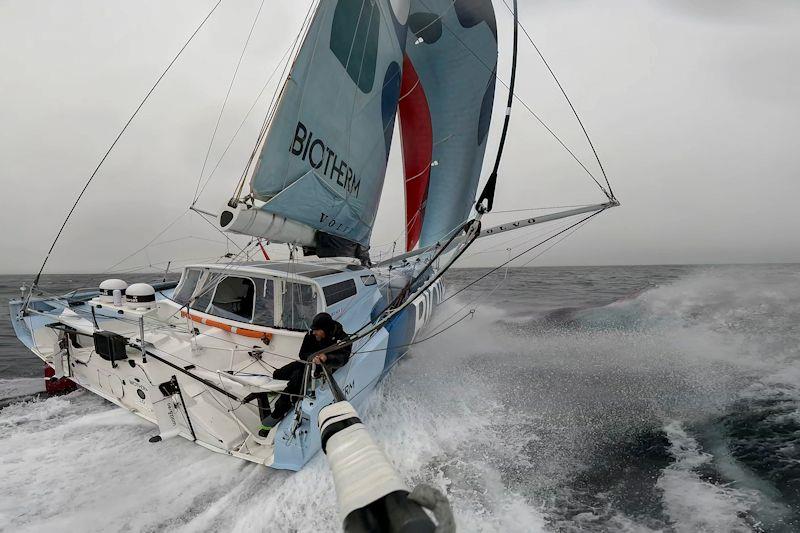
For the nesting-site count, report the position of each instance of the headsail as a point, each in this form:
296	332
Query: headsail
323	160
445	112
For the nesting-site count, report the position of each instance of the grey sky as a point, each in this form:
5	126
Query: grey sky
693	106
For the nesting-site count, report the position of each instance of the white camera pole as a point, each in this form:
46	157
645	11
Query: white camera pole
372	497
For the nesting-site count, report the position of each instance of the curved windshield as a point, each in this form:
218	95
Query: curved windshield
264	302
187	287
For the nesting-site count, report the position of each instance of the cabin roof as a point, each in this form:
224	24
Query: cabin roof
284	268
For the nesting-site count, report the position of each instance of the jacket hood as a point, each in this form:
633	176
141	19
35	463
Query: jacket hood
323	321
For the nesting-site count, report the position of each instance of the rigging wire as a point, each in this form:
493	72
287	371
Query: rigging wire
175	262
530	110
244	120
574	229
225	102
154	239
556	243
276	96
571	231
186	238
471	313
114	144
495	269
540	208
567	98
420	341
522	240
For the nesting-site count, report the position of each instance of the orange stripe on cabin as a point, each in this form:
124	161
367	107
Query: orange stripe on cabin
244	332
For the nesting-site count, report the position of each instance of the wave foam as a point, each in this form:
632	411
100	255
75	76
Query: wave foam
693	503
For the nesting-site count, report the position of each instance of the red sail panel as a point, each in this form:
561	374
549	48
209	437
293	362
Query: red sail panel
416	134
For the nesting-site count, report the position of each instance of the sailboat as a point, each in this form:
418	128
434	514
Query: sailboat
195	357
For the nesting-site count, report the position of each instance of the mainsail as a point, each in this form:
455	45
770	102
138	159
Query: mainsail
447	96
322	163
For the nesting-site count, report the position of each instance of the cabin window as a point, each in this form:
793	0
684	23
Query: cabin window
369	280
264	314
233	299
339	291
187	287
299	305
421	310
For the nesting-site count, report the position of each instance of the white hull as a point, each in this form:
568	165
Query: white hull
198	351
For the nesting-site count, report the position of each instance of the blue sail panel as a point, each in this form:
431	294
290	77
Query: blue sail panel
306	198
334	121
453	49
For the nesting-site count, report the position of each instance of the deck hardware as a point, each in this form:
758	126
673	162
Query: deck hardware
141	338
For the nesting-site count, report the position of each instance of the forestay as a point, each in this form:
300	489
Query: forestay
323	160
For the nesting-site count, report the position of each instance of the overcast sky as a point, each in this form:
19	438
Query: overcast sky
693	106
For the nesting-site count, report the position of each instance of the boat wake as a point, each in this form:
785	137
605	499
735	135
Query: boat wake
675	409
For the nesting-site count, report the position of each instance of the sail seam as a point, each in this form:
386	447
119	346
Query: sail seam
411	90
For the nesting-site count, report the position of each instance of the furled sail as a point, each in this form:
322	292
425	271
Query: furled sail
445	110
322	163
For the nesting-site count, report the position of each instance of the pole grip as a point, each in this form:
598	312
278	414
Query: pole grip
371	496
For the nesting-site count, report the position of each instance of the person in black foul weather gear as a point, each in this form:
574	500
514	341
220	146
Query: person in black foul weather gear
324	332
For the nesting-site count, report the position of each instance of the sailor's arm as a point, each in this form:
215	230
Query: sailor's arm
308	348
338	357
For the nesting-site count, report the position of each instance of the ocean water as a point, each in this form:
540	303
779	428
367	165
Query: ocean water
575	399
